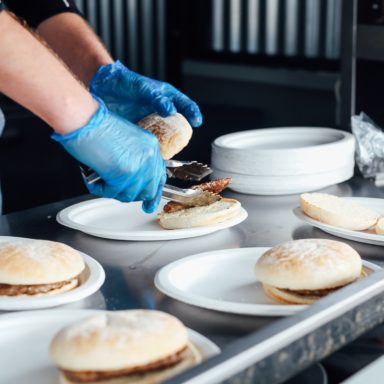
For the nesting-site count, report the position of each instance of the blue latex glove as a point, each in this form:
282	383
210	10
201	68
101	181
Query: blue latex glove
125	156
134	96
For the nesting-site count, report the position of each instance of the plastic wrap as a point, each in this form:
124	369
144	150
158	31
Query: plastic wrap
369	146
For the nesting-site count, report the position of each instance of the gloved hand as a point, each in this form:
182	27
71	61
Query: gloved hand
134	96
125	156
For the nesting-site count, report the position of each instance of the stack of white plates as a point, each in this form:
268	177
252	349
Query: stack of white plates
277	161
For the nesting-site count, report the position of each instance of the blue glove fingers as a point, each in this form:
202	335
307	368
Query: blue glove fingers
150	206
189	109
164	106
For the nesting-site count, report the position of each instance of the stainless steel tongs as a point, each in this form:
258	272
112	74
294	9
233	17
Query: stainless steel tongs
182	170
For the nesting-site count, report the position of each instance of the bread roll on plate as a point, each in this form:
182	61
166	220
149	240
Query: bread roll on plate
379	227
38	267
173	132
333	210
130	347
303	271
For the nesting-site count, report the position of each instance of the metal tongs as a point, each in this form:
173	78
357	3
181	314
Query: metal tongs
183	170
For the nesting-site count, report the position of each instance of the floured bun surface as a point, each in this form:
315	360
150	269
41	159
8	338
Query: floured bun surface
173	132
38	267
379	228
217	212
307	269
133	346
333	210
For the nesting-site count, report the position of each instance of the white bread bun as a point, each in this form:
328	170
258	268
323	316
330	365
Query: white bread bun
214	213
29	262
155	377
118	340
309	264
173	132
379	228
333	210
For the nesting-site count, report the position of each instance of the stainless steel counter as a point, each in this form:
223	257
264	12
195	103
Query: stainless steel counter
258	343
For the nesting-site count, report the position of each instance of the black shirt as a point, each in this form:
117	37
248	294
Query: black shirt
36	11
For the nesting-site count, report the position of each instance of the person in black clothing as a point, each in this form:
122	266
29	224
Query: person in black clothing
68	79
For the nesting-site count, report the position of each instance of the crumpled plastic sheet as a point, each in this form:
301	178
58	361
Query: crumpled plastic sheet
369	147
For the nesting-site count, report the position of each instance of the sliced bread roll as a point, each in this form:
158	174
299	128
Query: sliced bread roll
173	132
333	210
217	212
379	228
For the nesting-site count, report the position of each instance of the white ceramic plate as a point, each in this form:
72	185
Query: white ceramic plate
111	219
92	278
282	185
283	151
223	281
25	339
361	236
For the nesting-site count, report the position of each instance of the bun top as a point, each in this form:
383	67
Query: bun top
118	340
28	261
309	264
173	132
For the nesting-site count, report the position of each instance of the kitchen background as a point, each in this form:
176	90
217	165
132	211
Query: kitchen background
248	63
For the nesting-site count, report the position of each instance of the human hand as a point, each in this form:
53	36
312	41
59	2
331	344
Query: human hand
134	96
125	156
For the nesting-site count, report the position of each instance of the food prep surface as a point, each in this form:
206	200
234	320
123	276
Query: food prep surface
277	348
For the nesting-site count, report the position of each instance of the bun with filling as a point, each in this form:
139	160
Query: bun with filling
132	346
173	132
333	210
38	267
303	271
178	216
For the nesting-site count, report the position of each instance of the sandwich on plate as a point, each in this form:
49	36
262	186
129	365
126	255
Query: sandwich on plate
130	347
31	267
177	216
303	271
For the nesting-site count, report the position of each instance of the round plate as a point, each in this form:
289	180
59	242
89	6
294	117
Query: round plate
91	279
26	337
224	281
112	219
367	236
283	151
284	185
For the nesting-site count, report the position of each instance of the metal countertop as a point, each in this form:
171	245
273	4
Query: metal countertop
130	268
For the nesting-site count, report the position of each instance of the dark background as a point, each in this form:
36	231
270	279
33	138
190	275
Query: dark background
235	88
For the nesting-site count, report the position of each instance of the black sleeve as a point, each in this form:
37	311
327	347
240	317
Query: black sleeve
36	11
2	5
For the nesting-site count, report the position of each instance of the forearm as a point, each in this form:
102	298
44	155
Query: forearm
34	77
74	41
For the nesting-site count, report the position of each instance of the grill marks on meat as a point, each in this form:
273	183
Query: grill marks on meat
90	376
16	290
214	186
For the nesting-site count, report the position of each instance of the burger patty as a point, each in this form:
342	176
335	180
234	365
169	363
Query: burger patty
16	290
318	292
215	186
90	376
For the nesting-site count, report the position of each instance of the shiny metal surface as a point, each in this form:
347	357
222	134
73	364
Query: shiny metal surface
130	266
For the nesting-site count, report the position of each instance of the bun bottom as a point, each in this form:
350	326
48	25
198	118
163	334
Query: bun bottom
192	358
285	297
214	213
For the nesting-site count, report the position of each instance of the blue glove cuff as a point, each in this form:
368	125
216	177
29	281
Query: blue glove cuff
95	121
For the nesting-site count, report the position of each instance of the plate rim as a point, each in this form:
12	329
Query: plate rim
239	308
62	217
17	318
342	232
91	285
